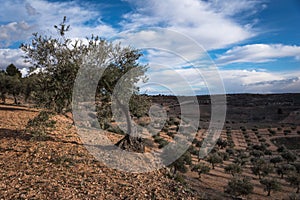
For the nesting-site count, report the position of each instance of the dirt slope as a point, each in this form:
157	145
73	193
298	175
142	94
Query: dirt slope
61	168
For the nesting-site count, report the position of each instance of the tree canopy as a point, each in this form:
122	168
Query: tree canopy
57	62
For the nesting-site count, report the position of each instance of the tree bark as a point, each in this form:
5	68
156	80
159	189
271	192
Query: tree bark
130	142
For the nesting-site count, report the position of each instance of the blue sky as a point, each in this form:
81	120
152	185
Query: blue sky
244	45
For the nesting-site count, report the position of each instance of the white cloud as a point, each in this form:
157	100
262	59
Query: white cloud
170	80
164	46
206	22
234	7
258	53
8	56
14	31
40	16
252	81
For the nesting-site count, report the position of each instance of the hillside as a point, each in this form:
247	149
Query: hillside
61	168
58	166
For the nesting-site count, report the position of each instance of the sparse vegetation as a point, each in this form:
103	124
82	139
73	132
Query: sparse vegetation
40	126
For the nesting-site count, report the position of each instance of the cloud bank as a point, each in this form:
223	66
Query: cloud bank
258	53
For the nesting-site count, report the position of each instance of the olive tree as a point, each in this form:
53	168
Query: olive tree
201	169
269	185
261	168
233	169
239	186
294	180
214	159
57	62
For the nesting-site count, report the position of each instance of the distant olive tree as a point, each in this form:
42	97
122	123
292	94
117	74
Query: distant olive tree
284	169
233	169
261	168
288	156
180	163
270	185
201	169
294	180
214	159
275	160
239	186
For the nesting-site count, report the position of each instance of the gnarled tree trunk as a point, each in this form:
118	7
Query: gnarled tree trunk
130	142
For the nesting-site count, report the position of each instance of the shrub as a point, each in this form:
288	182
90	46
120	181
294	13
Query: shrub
179	178
224	155
259	147
40	126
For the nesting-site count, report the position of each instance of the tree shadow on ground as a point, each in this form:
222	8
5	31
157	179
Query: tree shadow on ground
9	133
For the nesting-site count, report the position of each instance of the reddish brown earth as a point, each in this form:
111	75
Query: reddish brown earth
61	168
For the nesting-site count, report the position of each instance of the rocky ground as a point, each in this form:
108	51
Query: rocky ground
60	167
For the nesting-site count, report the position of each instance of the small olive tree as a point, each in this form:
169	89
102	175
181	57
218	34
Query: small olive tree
201	169
294	180
239	186
233	169
270	185
214	159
